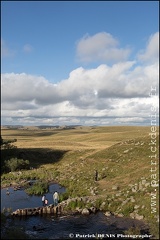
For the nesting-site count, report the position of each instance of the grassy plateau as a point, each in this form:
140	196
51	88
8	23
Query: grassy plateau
70	156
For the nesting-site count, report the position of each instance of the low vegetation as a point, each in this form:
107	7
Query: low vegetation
38	188
15	164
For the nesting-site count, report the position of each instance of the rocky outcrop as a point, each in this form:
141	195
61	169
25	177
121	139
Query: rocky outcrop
51	209
38	211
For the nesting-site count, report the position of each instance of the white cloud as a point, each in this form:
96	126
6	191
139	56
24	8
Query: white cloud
27	48
151	53
5	50
128	120
101	47
118	81
26	96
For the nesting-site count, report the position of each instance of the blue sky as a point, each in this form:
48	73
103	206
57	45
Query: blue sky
71	51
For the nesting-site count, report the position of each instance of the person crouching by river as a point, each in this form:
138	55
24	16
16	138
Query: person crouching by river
46	202
43	200
55	198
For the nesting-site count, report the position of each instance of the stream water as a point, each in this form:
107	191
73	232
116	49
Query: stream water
20	199
64	227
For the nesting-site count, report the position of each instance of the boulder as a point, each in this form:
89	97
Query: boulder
107	214
139	217
134	189
79	210
132	215
93	210
85	211
120	215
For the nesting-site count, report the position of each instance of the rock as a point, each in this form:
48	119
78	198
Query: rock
103	204
139	217
140	186
120	215
124	202
134	189
136	216
147	184
69	200
118	194
24	211
92	192
126	151
157	218
130	185
115	188
93	209
132	215
107	214
133	200
136	206
79	210
85	211
144	181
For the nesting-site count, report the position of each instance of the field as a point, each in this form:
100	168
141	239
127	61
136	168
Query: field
70	156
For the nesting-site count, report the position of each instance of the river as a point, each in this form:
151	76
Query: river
20	199
63	227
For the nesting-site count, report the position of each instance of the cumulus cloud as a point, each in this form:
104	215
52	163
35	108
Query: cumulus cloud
23	87
117	94
83	88
151	53
101	47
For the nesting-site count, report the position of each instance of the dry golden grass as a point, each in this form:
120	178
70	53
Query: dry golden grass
87	150
72	139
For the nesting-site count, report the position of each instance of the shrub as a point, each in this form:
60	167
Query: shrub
127	209
63	196
15	164
72	205
98	203
80	204
38	188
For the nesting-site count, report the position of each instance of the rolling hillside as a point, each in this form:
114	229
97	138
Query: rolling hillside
71	156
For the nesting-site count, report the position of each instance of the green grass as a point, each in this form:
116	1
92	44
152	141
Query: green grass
38	188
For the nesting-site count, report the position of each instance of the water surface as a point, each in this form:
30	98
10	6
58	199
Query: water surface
49	226
20	199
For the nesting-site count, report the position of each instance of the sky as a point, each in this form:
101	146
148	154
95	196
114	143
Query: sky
79	62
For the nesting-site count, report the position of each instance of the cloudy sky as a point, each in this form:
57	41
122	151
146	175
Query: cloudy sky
81	63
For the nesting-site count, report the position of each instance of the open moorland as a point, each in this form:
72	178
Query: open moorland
70	156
